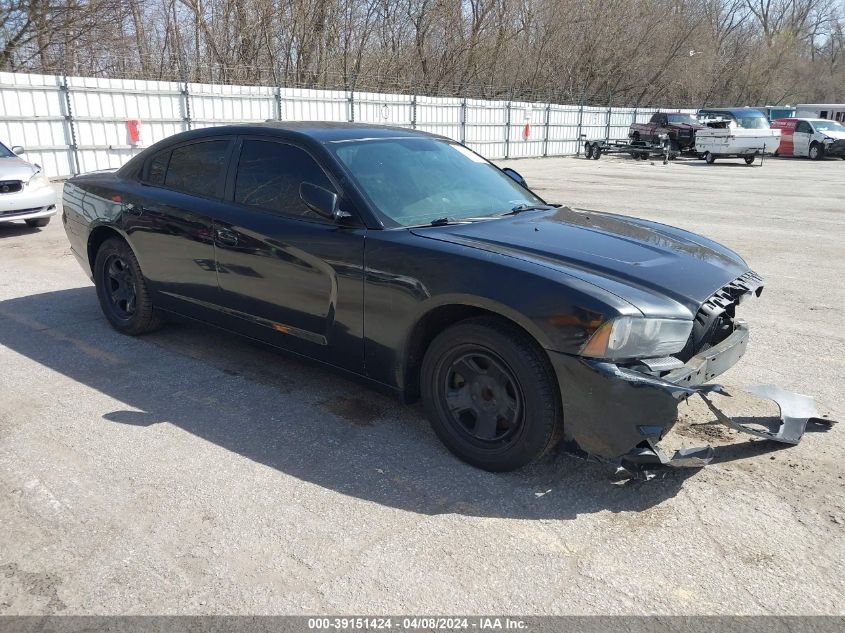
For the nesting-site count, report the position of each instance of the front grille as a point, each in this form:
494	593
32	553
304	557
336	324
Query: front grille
6	214
10	186
714	319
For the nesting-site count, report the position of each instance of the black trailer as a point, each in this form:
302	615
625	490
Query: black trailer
636	149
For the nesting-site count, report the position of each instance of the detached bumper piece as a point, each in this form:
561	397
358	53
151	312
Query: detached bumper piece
796	411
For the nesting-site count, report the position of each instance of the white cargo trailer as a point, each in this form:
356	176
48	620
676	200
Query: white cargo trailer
734	133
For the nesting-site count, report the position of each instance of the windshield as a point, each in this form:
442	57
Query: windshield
828	126
414	181
5	152
687	119
752	122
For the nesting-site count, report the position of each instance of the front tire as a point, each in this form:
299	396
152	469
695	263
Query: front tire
491	395
749	160
709	158
816	151
39	223
122	290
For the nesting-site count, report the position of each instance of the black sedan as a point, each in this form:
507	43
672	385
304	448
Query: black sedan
407	260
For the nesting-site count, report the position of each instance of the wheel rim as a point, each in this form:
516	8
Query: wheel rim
482	399
119	284
814	152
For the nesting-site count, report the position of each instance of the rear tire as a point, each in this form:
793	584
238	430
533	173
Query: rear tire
39	223
749	160
596	152
588	150
122	289
709	158
491	395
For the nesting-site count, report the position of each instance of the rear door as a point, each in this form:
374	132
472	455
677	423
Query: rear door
168	218
801	138
287	275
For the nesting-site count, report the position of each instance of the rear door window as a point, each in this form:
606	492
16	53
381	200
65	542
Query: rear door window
198	168
270	173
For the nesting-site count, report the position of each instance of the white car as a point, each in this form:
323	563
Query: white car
25	192
813	138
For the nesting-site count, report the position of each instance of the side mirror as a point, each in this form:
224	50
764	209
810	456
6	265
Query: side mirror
320	200
17	149
515	176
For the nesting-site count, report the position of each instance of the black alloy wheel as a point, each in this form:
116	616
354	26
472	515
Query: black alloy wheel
483	400
122	290
119	282
491	395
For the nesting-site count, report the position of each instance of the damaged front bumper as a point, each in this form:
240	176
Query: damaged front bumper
618	414
836	148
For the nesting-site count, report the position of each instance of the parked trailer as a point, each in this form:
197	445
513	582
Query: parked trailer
735	133
735	143
636	149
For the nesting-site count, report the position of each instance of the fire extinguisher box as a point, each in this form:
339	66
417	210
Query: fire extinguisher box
133	127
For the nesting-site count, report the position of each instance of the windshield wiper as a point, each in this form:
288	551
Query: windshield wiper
528	207
449	220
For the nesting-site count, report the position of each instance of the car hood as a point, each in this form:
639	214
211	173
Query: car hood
685	126
834	134
15	169
594	246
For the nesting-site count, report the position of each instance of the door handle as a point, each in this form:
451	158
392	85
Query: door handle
227	237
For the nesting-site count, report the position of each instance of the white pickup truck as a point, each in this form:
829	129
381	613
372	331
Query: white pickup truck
734	133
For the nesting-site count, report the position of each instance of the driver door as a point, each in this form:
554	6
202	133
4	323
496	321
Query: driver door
288	276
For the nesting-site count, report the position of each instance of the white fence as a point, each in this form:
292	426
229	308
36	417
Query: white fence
71	125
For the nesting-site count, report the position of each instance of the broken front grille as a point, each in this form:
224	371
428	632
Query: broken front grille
714	319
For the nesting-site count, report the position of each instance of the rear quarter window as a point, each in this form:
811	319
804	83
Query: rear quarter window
157	167
198	168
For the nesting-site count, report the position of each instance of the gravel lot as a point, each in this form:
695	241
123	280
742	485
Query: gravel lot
190	472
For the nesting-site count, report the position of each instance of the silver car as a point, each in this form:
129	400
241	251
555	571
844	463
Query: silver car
25	192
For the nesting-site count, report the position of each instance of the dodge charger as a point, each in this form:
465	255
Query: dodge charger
409	261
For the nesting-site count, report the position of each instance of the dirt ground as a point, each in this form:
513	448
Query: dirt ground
190	472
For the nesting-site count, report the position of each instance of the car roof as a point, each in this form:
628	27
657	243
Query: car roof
733	111
808	119
319	131
305	132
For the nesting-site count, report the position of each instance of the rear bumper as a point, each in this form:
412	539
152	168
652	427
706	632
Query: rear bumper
610	410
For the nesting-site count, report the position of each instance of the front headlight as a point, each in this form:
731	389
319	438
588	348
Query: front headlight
38	180
638	337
